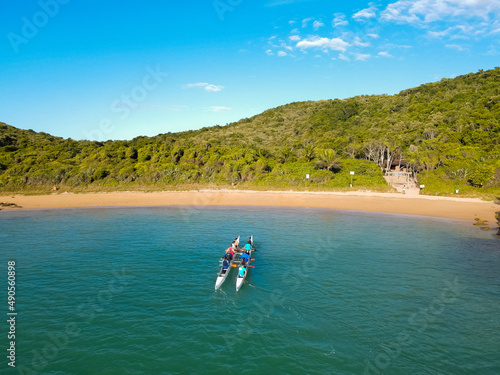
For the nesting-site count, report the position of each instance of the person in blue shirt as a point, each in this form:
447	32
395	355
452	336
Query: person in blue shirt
244	258
225	264
241	271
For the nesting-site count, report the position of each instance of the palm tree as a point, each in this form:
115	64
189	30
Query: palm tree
330	160
309	152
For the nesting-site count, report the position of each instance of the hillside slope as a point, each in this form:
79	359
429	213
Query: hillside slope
447	132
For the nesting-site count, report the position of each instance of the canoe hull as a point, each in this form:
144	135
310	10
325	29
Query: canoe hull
222	275
241	280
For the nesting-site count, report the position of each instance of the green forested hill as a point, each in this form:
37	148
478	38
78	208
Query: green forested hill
447	132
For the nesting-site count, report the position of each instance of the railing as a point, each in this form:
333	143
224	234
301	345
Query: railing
398	174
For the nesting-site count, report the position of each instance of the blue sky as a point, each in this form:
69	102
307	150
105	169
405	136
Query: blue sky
117	70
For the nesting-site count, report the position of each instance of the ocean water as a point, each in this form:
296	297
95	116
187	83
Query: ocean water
131	291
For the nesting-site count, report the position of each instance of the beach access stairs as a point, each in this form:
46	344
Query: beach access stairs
400	179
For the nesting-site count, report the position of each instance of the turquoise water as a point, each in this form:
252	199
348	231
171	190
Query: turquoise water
131	291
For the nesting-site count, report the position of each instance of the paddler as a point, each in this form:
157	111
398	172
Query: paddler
241	270
234	245
230	252
248	245
244	258
225	263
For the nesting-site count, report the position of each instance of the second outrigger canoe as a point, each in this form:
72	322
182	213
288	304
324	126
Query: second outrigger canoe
221	276
241	279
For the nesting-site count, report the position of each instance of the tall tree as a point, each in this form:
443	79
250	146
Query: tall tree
309	152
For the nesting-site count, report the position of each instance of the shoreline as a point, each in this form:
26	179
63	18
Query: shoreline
396	203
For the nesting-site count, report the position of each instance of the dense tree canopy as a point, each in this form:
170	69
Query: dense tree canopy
447	132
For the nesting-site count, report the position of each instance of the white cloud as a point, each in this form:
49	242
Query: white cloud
295	31
269	52
455	32
456	46
357	42
451	19
426	11
495	27
374	36
317	25
361	56
305	21
394	12
282	54
343	57
213	88
339	20
206	86
217	108
438	34
384	54
365	13
292	22
336	44
294	38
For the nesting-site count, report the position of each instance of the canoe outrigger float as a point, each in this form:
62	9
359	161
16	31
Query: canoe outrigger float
221	276
241	279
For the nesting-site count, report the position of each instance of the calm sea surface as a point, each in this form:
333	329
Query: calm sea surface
131	291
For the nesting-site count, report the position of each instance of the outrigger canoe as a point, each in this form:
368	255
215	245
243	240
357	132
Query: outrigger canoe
221	276
241	279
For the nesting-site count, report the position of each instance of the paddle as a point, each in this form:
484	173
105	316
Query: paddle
235	265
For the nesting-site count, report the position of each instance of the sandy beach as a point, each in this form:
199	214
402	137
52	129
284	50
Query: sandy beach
445	207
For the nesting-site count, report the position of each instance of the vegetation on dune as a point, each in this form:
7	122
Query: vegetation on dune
447	132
